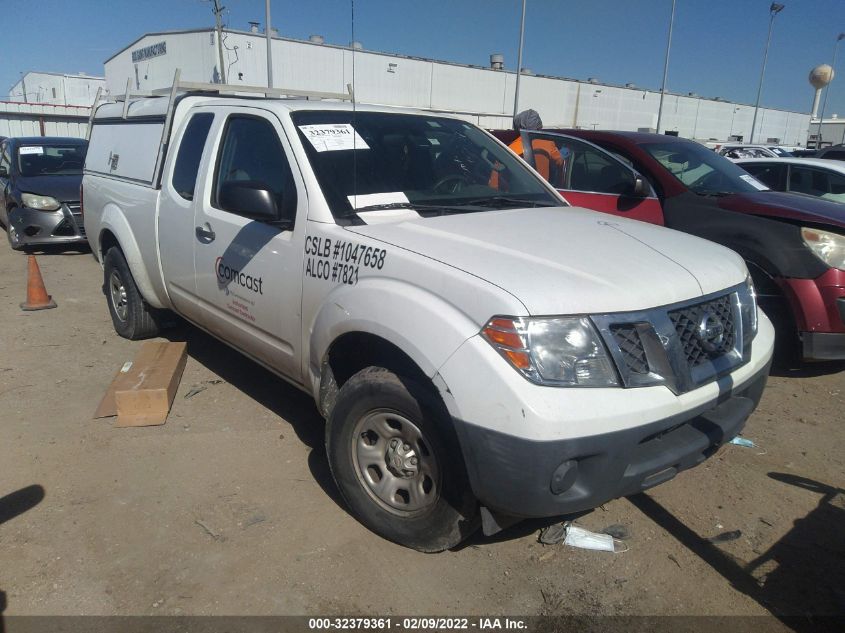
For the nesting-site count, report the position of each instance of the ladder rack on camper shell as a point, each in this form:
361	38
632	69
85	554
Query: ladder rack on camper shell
179	89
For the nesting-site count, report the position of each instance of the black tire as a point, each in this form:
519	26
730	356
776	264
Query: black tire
451	513
133	318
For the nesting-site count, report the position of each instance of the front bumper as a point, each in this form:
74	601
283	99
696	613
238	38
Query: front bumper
524	478
819	308
31	226
534	451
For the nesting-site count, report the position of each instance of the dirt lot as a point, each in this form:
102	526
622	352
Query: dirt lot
229	507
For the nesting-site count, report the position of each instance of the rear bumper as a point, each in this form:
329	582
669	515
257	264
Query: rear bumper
33	227
519	477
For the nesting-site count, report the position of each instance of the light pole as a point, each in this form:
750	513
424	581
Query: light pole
665	68
773	11
269	35
519	60
839	38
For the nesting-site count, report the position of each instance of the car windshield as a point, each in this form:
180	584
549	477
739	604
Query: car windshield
781	152
43	160
367	161
702	171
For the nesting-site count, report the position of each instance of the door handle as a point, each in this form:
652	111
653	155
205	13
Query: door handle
205	233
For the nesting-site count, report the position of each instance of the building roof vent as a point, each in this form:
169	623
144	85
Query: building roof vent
356	45
630	85
692	94
316	39
592	80
253	27
527	71
497	61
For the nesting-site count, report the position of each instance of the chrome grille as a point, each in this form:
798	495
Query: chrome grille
686	322
631	346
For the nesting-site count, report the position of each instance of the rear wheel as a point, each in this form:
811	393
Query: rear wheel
397	462
131	316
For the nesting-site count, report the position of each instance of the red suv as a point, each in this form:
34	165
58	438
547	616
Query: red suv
794	245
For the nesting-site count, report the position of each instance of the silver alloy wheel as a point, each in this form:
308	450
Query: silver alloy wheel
118	296
394	463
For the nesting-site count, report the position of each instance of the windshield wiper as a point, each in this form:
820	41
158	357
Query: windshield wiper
427	209
715	194
501	202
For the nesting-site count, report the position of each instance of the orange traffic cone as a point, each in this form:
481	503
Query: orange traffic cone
36	294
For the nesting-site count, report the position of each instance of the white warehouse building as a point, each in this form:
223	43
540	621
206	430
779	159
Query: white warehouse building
482	95
56	89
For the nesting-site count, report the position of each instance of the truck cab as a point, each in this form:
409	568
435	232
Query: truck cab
481	351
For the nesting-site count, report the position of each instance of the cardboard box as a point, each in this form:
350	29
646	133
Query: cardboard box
142	392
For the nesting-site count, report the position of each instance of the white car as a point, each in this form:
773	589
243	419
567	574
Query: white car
737	151
811	176
479	352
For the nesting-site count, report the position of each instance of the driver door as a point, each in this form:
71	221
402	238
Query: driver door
591	177
249	272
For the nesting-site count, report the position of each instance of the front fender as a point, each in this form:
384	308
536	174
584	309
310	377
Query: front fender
114	221
420	323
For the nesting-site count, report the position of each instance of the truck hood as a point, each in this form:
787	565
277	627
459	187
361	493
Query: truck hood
791	206
567	260
64	188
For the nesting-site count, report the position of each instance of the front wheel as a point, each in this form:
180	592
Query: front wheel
397	462
131	316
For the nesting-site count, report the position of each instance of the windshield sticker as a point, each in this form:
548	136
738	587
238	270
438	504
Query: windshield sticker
339	261
333	137
751	180
31	149
371	199
434	141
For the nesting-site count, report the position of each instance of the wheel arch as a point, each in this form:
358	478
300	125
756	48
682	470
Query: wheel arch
116	232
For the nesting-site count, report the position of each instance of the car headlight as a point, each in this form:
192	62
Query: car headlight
828	247
554	351
41	203
748	309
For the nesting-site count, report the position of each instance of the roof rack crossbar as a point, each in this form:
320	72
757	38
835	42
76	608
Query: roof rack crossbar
93	112
194	86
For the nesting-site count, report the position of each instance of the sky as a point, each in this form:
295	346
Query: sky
717	45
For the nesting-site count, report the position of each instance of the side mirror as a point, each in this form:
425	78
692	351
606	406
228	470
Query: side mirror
640	188
249	198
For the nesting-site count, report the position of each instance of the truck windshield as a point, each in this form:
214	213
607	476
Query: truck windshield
366	161
702	170
42	160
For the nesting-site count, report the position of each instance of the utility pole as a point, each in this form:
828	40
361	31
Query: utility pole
268	33
665	68
773	10
218	20
519	61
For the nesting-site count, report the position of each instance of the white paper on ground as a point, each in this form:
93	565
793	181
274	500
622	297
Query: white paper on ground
30	149
333	137
579	537
370	199
751	180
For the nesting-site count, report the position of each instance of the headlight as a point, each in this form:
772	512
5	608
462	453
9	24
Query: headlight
555	351
41	203
748	309
828	247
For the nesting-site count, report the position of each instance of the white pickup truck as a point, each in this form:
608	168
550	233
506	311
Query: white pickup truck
480	350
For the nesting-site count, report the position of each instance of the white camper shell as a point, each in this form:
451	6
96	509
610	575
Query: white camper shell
481	350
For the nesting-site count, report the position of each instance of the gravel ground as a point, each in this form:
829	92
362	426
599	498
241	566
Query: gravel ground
229	508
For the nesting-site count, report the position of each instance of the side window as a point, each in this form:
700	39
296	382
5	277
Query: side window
251	151
804	180
593	170
5	160
771	175
190	153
